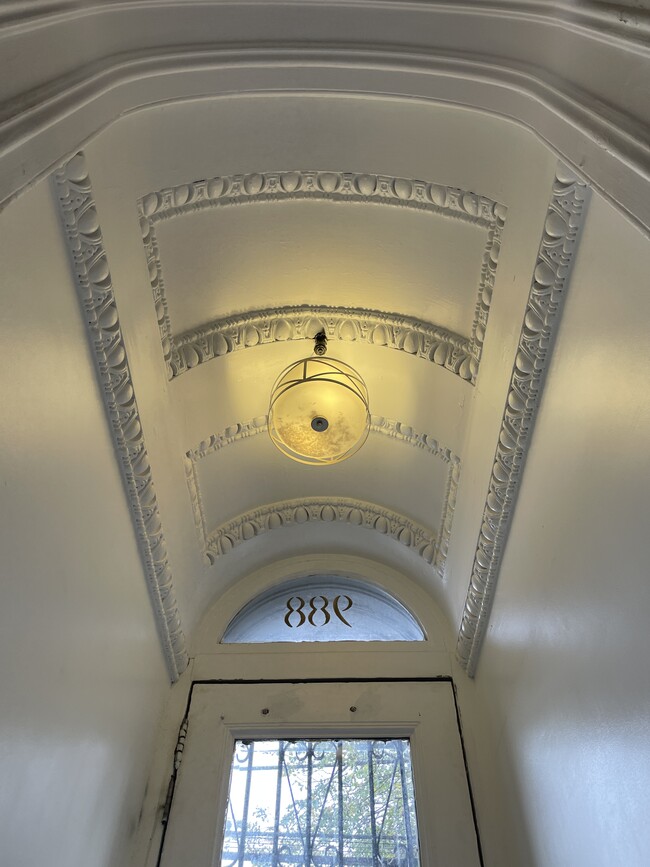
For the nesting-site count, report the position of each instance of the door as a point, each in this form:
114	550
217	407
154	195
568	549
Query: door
418	717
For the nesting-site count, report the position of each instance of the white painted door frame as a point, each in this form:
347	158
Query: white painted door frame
423	711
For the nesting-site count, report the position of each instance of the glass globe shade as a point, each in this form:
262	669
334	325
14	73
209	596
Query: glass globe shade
319	411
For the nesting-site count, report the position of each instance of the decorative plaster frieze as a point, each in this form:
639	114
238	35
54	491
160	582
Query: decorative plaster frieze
458	354
425	340
233	433
93	279
402	432
309	509
385	426
554	260
379	425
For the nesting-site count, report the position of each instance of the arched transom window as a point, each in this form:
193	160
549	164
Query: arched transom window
323	608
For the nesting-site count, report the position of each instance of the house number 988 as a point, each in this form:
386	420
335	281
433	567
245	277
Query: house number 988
318	610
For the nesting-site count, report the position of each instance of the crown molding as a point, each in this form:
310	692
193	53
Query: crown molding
95	288
211	544
618	21
577	86
220	337
564	220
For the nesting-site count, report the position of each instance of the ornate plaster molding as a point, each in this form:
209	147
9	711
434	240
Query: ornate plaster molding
378	423
94	284
425	340
396	430
349	511
550	279
457	354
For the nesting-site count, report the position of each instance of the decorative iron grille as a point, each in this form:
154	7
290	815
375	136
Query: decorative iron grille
321	803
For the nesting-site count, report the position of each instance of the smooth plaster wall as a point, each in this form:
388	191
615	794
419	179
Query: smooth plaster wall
557	722
82	678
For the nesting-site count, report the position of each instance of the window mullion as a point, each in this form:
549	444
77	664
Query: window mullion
373	808
247	794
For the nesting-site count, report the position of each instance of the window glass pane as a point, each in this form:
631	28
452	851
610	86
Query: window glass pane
324	803
323	608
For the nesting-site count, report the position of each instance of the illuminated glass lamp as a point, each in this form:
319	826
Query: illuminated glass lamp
318	412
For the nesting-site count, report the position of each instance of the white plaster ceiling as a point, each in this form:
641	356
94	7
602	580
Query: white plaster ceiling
309	252
407	210
239	168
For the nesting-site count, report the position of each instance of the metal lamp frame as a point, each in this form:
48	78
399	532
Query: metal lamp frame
327	370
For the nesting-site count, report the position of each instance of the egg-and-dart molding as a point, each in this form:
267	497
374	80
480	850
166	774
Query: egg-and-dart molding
423	339
93	280
299	511
564	220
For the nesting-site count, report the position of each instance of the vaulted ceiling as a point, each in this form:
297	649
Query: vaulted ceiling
212	237
417	257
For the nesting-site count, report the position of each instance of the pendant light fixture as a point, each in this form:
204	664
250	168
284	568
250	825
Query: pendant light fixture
318	412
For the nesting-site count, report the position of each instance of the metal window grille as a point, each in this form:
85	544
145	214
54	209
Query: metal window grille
321	803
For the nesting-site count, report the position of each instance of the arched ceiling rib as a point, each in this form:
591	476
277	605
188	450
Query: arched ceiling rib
393	331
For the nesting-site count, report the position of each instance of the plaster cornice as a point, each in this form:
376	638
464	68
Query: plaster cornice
564	220
95	288
422	339
618	21
211	545
515	60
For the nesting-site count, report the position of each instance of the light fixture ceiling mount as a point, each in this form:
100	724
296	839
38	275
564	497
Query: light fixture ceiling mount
318	413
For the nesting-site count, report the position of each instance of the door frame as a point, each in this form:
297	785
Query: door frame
270	728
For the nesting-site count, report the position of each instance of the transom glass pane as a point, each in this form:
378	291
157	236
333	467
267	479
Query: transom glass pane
323	608
326	803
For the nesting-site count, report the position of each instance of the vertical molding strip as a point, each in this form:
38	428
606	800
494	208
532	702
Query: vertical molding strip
564	219
95	288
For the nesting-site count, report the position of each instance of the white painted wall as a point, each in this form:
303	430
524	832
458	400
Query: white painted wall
559	714
82	677
557	721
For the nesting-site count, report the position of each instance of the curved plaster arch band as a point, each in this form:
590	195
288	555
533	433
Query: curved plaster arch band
237	531
274	516
607	145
